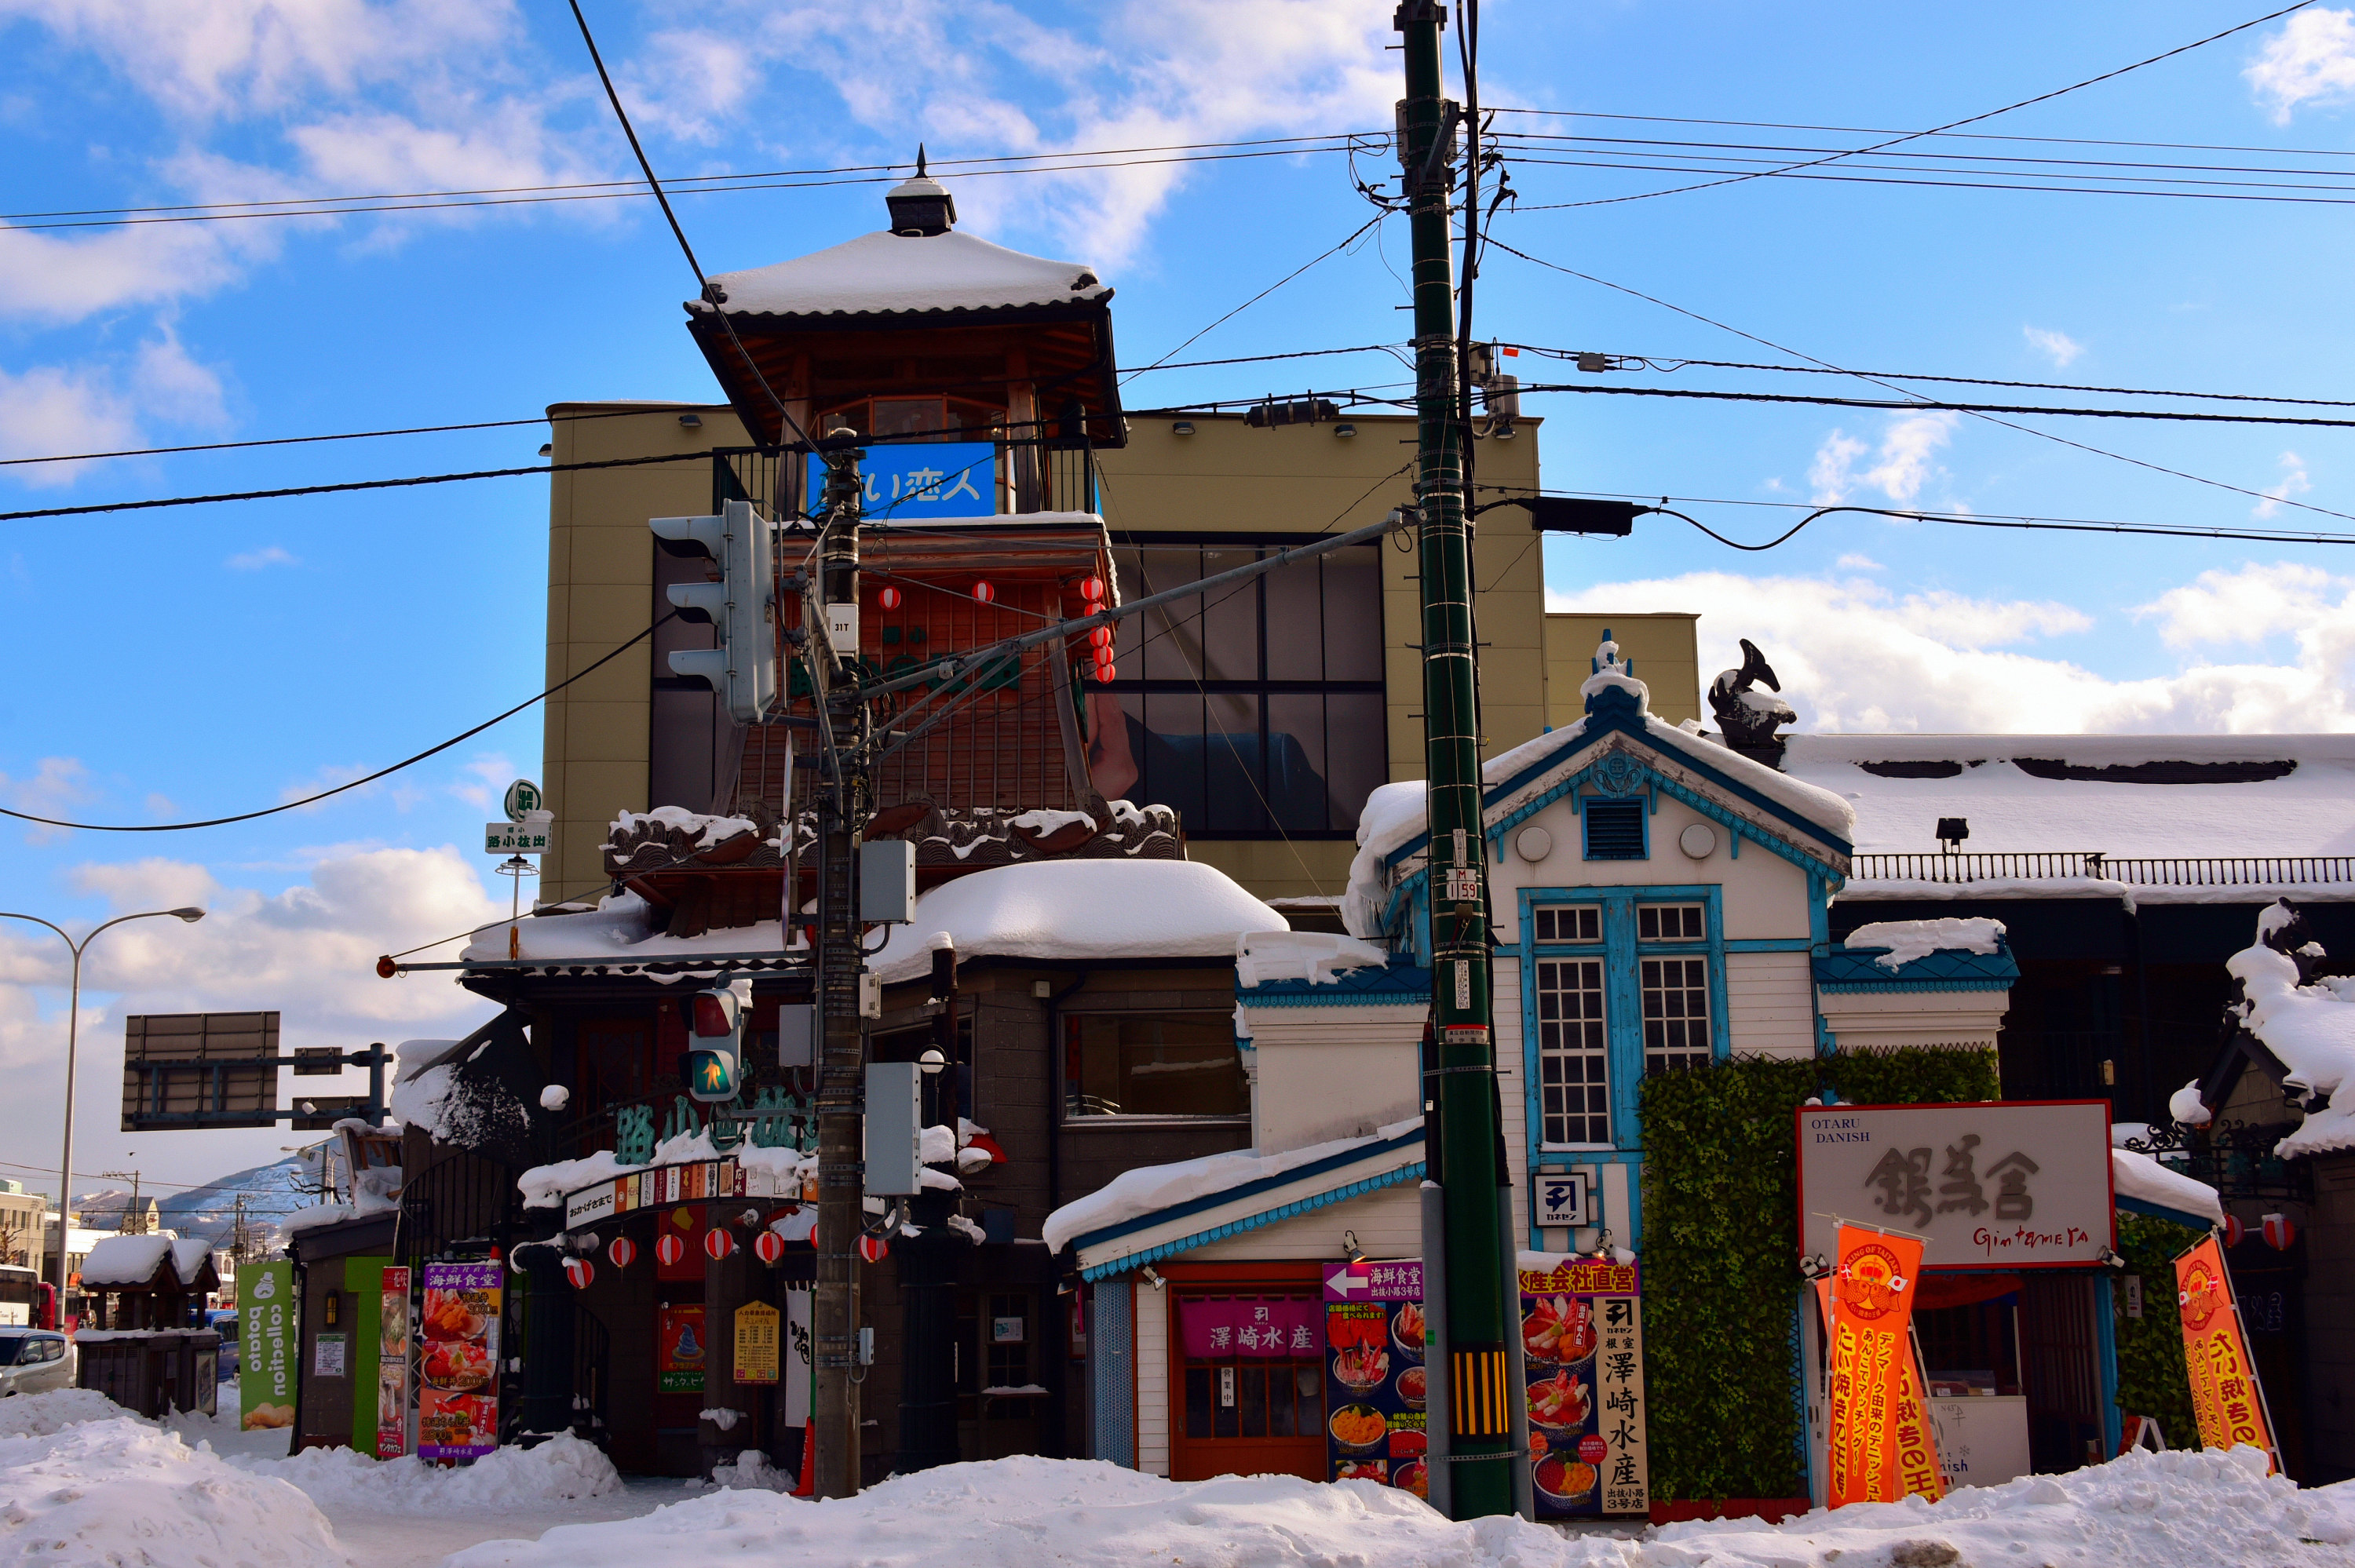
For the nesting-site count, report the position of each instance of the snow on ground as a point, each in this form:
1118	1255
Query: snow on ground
2154	1510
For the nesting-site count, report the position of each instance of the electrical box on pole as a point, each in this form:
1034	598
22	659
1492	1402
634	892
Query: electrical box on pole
741	606
893	1152
887	881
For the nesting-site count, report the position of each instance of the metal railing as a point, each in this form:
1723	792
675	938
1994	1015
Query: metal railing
2149	871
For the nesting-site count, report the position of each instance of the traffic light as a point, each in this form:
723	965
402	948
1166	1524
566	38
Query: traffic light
715	1026
740	605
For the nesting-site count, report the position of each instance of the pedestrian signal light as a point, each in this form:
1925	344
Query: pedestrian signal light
715	1028
741	606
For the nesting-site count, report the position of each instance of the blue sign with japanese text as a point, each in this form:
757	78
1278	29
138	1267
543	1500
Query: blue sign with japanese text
923	480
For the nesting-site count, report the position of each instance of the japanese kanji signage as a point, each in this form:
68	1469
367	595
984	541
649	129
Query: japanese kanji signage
1375	1381
757	1332
2216	1355
1878	1436
2021	1185
1582	1349
1225	1327
924	478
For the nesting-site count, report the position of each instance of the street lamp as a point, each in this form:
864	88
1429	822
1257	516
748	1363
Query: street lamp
73	1032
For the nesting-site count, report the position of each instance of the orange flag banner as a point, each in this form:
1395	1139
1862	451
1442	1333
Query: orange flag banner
2224	1393
1875	1451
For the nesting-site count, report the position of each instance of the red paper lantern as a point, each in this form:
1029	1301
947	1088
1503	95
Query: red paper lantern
1101	637
770	1247
1092	589
1104	672
874	1249
2235	1232
579	1271
889	597
622	1251
2279	1232
718	1243
983	592
669	1250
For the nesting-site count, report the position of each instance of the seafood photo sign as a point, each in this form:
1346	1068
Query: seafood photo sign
1374	1374
458	1324
1583	1350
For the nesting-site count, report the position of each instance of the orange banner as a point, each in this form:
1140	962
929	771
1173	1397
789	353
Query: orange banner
2223	1381
1878	1438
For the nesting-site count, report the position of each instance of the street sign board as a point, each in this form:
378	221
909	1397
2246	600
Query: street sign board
317	1061
516	838
180	1066
522	797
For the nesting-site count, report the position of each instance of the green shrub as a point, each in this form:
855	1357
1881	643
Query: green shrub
2151	1377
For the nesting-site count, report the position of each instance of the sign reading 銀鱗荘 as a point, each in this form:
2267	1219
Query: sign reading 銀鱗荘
2016	1185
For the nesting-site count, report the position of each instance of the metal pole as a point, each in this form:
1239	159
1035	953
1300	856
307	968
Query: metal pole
1479	1325
841	810
65	1159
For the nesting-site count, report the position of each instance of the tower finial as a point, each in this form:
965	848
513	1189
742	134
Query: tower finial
920	160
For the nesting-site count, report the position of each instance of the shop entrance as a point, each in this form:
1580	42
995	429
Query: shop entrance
2060	1354
1244	1408
1001	1402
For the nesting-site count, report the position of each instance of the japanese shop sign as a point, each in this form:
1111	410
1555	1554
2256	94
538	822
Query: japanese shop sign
1582	1350
757	1329
2224	1393
679	1348
1879	1444
266	1345
458	1407
922	479
1221	1328
392	1364
1375	1381
2022	1185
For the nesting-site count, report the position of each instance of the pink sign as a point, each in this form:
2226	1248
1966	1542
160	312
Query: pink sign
1248	1326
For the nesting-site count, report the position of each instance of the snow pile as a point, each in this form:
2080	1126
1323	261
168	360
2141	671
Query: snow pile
46	1414
1910	939
1318	957
126	1260
2138	1175
562	1468
750	1471
884	273
2311	1030
2155	1511
1148	1188
313	1217
128	1495
2186	1106
1064	910
1047	824
703	830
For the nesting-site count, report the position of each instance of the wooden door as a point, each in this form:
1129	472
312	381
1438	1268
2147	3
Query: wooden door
1244	1414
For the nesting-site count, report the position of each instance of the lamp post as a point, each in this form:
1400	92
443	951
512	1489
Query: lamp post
73	1034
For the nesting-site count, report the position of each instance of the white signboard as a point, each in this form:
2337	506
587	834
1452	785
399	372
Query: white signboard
514	838
1559	1198
1981	1442
1984	1185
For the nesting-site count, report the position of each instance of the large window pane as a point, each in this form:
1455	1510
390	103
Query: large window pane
1296	760
1296	622
1353	614
1356	752
1152	1064
1676	1014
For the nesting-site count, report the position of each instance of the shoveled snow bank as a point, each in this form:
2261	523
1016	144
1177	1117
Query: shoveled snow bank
1064	910
1150	1187
125	1494
562	1468
2138	1175
1910	939
2311	1029
46	1414
2155	1510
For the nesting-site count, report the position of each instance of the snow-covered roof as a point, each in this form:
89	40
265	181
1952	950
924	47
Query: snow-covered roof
888	274
120	1261
1910	939
2310	1030
619	930
2024	792
1079	910
2138	1176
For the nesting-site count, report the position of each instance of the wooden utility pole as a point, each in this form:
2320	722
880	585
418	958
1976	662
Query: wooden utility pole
1479	1317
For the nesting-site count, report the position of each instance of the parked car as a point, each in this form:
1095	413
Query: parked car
224	1322
33	1361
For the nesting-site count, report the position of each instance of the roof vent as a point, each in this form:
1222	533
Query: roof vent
922	206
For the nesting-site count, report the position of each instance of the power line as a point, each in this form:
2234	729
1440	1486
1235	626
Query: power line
1930	405
379	773
1272	287
1952	125
1949	135
1990	419
1838	176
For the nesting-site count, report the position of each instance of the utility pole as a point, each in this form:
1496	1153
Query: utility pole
1467	1118
842	811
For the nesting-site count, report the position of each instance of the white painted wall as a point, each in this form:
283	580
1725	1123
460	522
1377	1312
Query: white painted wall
1332	1072
1770	1004
1946	1018
1152	1379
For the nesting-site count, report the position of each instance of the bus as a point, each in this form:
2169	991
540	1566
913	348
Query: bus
27	1301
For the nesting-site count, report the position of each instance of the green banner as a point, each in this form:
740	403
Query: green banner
266	1345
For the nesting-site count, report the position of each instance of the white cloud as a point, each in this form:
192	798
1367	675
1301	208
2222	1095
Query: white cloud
1905	463
2310	60
2294	482
58	784
2057	346
1853	656
1855	563
54	409
255	560
308	951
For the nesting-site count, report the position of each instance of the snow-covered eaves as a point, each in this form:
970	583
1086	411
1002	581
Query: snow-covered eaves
2139	1183
129	1262
620	932
1156	1210
896	274
2310	1030
1076	911
1943	954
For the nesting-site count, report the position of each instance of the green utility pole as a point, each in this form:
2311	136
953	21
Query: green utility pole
1480	1320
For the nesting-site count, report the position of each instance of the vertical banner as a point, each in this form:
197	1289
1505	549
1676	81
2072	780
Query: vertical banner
392	1365
458	1407
1583	1346
1913	1462
2224	1393
265	1330
756	1342
680	1340
1375	1381
797	1358
1872	1356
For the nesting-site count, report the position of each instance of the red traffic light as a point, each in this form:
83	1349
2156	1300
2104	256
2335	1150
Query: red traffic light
715	1013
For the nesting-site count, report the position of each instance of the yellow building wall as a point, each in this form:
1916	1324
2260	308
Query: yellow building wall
1661	642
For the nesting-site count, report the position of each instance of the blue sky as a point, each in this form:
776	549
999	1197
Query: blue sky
198	662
